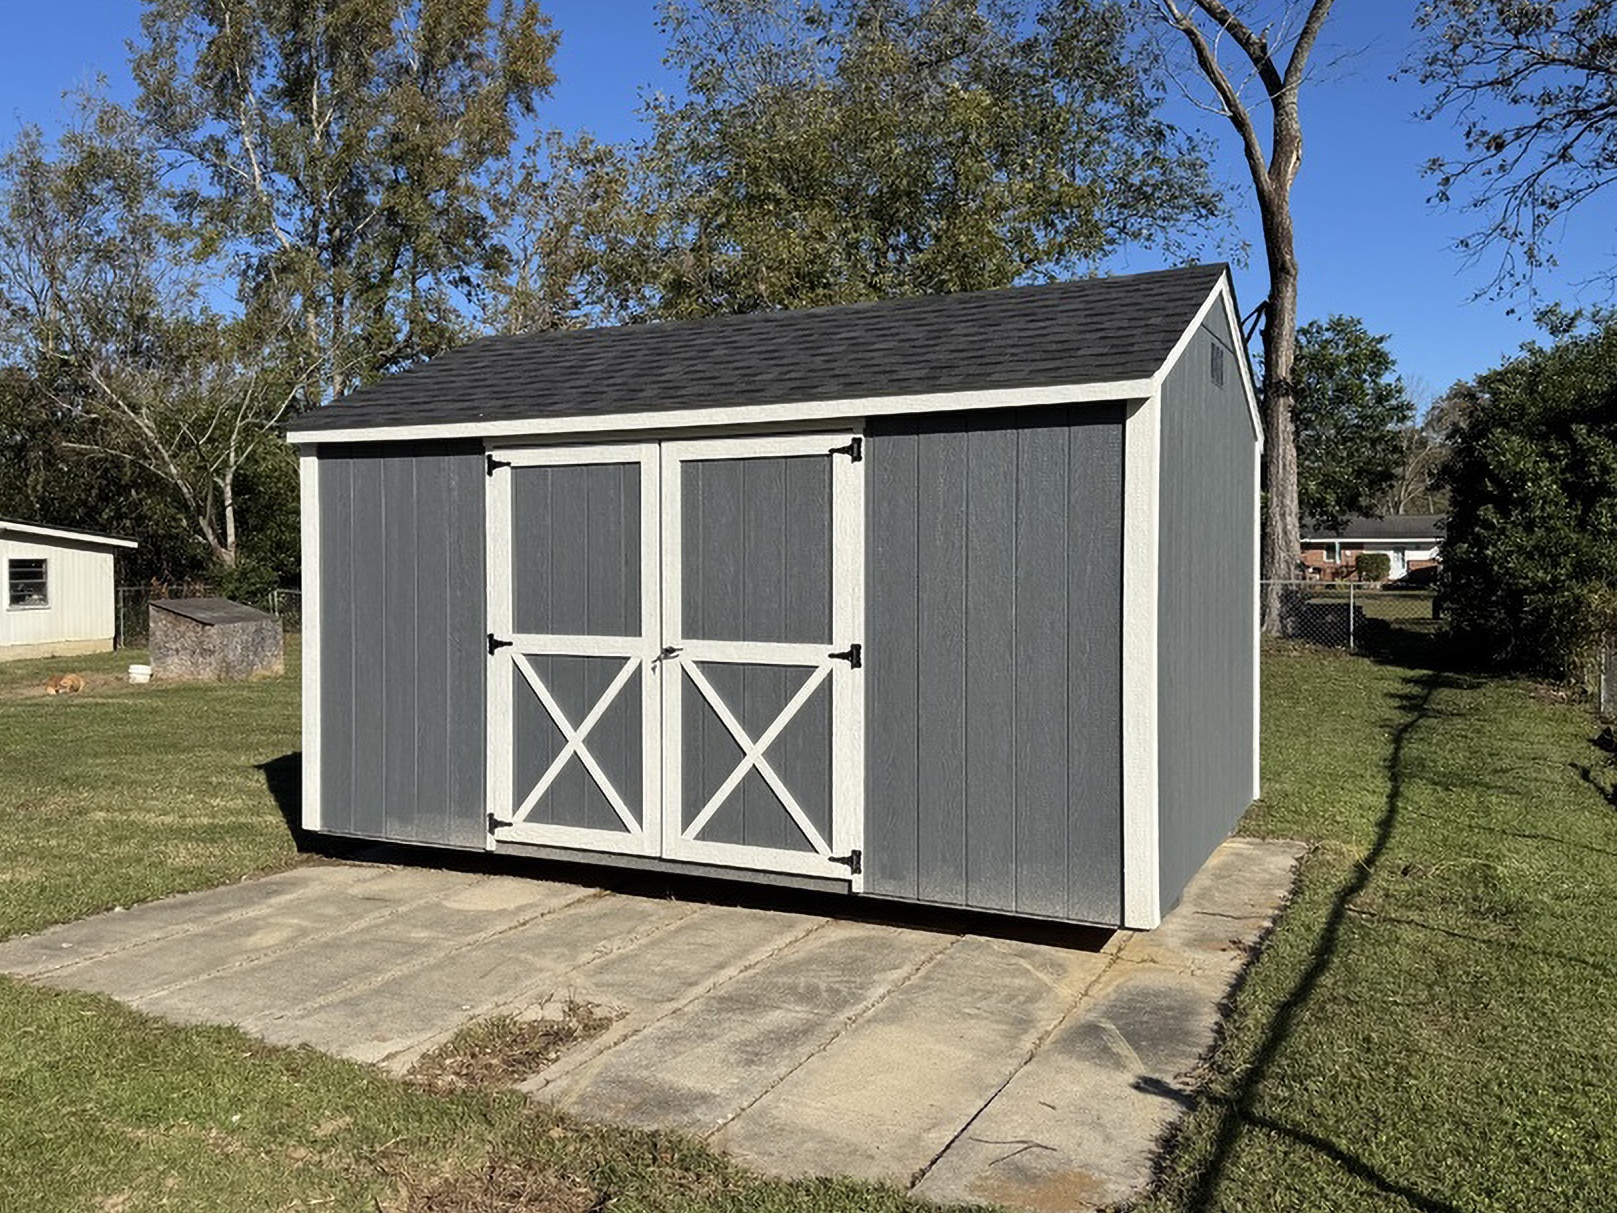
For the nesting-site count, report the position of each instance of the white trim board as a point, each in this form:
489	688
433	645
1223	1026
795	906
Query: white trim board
1221	291
309	505
1142	863
56	532
748	415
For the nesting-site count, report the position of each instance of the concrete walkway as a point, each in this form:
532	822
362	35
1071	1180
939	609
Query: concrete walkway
964	1066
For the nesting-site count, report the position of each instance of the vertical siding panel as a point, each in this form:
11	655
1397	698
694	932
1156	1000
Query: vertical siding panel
1041	668
370	673
806	530
891	801
399	654
762	510
941	710
465	725
337	665
1094	664
433	538
991	807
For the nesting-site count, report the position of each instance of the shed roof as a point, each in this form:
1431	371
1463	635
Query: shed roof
47	533
210	611
1092	331
1393	527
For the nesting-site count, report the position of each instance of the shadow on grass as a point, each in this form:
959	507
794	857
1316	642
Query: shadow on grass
1236	1112
283	778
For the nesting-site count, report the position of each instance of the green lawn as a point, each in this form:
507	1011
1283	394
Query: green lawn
1433	1025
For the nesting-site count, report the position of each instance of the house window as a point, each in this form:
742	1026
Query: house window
26	584
1216	369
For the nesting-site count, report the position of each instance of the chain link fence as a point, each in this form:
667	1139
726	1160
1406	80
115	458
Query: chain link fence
1352	615
134	608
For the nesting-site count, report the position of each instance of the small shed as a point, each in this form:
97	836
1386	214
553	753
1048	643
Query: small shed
212	640
59	590
946	600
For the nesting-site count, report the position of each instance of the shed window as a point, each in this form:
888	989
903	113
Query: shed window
27	584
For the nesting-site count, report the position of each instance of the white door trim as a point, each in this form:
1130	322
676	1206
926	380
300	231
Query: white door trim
846	682
639	653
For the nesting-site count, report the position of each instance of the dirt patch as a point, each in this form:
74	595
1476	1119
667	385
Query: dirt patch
504	1050
502	1186
94	684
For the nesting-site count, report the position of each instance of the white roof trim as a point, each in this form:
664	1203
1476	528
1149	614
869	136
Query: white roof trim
1221	291
52	532
766	414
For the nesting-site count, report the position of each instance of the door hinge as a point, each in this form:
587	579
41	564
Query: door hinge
855	450
853	861
490	463
854	655
494	823
495	644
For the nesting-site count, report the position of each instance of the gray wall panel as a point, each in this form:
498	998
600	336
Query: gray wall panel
993	692
1207	603
402	642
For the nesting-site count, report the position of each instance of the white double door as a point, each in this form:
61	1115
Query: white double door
675	657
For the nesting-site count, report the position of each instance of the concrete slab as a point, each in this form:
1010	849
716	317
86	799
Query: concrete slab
695	1069
960	1028
966	1067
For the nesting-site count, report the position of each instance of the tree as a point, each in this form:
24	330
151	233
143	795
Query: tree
340	153
113	355
863	149
1349	407
1273	174
1530	557
1533	87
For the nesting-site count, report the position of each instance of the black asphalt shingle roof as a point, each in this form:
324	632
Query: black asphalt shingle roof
1089	331
1395	526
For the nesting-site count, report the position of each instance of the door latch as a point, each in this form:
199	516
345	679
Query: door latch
670	651
854	655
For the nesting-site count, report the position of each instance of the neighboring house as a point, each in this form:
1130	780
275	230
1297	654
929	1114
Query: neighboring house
58	587
1411	541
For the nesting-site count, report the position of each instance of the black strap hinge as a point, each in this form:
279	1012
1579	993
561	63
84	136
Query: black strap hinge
495	644
494	823
491	463
854	655
853	860
855	450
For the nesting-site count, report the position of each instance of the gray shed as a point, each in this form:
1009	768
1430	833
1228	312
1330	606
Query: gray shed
945	600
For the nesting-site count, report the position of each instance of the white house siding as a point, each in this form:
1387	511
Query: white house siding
79	618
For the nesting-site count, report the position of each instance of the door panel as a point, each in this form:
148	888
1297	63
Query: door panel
761	605
573	606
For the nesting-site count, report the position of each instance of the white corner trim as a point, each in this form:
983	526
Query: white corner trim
1220	294
752	415
309	505
1142	893
1257	624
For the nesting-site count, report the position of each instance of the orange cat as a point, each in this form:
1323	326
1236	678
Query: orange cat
64	684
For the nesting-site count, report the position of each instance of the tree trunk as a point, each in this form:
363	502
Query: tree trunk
1282	539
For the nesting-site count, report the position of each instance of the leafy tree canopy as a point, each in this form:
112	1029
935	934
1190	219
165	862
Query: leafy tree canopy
1530	559
860	149
1349	409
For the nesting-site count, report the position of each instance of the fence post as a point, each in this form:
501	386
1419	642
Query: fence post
1352	610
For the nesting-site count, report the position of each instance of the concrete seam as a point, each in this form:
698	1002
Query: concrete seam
848	1022
1031	1053
724	978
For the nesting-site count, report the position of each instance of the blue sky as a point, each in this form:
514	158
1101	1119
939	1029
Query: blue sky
1369	243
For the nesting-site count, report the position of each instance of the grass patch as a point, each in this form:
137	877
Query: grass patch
503	1050
1430	1027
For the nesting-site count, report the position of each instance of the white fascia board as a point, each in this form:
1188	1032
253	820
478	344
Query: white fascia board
752	416
1220	295
51	532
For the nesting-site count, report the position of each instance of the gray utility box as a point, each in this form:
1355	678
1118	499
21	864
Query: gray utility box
213	640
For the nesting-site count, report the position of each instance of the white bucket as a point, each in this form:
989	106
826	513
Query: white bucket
140	673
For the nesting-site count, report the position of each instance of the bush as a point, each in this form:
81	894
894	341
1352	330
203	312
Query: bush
1373	566
1530	557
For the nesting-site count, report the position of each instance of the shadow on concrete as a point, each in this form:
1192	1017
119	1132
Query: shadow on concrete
1237	1111
283	777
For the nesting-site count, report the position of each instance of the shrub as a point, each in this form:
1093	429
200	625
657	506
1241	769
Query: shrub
1373	566
1530	557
